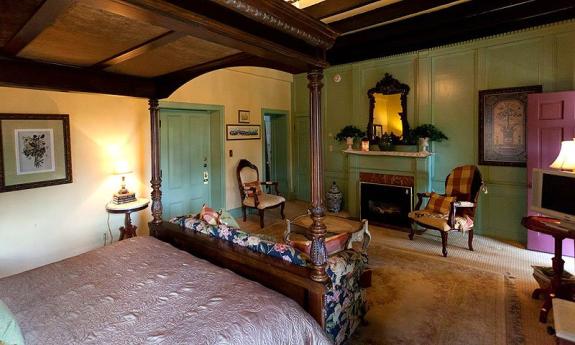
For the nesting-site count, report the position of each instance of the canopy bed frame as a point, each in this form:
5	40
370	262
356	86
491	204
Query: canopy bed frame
121	47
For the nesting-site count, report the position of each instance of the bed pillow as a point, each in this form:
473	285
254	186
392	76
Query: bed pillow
10	333
439	203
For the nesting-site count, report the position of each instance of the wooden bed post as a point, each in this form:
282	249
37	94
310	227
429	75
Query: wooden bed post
317	208
156	180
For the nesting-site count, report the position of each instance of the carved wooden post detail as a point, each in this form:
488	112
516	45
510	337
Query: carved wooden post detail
318	228
156	174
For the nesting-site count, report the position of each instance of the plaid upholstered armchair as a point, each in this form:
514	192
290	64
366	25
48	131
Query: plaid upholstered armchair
453	211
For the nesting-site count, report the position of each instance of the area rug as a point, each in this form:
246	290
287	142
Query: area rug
418	299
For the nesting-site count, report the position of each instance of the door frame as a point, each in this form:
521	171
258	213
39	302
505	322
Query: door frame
268	111
217	146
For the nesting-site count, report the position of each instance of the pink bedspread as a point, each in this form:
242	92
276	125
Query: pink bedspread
144	291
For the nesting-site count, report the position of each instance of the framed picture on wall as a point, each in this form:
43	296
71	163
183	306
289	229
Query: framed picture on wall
243	116
502	125
243	132
34	151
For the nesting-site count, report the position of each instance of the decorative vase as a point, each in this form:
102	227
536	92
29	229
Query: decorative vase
424	144
349	142
334	198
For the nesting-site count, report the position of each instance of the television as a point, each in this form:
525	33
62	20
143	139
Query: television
554	195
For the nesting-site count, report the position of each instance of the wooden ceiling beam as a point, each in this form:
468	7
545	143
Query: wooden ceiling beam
145	47
40	20
174	18
330	8
386	13
438	29
16	72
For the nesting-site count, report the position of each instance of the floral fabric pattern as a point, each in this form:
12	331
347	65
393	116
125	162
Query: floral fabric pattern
244	239
345	300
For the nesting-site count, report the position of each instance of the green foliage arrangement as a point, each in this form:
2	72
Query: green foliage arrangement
429	131
349	131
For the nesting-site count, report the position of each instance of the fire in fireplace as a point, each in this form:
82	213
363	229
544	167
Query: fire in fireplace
386	205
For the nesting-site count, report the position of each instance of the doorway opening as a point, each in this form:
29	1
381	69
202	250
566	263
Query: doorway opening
275	153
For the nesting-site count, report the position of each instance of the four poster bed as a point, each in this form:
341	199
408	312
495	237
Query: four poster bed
149	48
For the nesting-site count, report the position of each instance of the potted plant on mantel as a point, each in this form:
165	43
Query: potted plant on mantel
428	132
349	134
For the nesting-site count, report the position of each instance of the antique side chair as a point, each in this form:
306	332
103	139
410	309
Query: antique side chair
252	194
453	211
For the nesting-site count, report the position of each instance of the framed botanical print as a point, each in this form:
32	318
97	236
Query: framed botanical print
34	151
502	125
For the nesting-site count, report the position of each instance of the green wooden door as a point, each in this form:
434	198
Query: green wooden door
185	164
278	150
302	158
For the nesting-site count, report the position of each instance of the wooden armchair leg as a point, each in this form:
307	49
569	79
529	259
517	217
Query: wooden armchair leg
244	212
444	235
470	240
282	210
261	218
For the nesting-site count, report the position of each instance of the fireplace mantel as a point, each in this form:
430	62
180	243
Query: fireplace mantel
420	154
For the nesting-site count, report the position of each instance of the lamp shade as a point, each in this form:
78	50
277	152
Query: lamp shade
121	168
566	158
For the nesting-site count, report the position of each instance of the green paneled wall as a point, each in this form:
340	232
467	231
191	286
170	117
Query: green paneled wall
444	85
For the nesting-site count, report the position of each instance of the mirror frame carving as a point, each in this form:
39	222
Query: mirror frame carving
389	86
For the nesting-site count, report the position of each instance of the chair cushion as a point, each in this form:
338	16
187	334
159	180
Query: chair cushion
265	201
253	184
438	221
439	203
459	182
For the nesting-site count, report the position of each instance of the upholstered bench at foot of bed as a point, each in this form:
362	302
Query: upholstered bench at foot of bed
345	299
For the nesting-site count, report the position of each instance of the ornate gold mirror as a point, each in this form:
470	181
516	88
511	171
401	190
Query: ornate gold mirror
388	109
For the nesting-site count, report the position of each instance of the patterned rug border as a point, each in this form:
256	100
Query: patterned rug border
514	324
512	305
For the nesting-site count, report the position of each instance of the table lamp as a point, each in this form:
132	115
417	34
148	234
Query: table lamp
566	158
123	195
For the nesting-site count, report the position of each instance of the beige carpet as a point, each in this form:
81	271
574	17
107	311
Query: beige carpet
490	256
415	299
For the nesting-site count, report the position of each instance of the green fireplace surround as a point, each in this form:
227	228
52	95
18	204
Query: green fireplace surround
444	84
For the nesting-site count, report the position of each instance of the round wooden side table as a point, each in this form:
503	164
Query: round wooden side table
128	230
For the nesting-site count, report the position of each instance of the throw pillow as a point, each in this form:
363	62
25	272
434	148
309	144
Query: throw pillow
10	333
439	203
248	186
209	215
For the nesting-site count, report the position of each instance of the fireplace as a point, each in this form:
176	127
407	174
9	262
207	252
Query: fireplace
386	199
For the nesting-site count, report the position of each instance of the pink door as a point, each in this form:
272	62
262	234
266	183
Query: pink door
550	120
